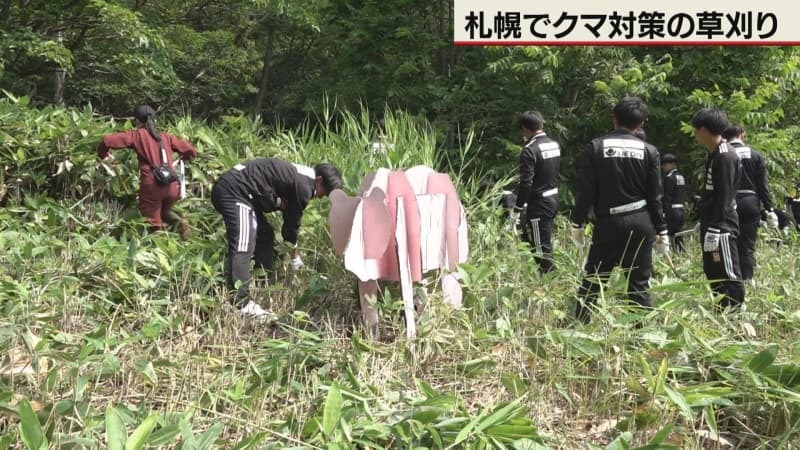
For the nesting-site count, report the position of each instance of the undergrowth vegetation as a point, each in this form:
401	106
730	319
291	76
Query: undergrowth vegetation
114	338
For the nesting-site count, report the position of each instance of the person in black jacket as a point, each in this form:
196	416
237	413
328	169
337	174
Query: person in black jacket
674	200
259	186
719	222
539	164
752	197
620	179
793	205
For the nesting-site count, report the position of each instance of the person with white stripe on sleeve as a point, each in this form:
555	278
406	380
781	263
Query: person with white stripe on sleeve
752	197
539	165
674	198
259	186
620	178
719	222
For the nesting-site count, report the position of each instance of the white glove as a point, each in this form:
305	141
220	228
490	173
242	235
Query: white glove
297	263
578	236
513	220
662	244
711	241
772	219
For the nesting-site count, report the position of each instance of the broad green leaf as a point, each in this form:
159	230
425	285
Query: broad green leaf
115	429
250	441
30	428
187	434
207	439
426	414
332	410
465	432
680	402
662	435
529	444
164	435
514	384
621	442
501	414
763	359
510	432
138	438
711	418
146	370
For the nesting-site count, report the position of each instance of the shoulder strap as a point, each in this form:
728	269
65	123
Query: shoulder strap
163	153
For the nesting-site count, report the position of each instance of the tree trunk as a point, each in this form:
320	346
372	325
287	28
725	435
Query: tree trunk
60	74
262	89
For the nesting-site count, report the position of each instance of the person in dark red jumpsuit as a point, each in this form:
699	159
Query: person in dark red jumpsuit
155	199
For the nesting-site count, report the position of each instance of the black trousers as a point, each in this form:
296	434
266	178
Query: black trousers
795	208
749	209
539	231
722	268
676	219
249	236
625	241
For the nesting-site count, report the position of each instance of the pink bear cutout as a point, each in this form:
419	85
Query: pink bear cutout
401	225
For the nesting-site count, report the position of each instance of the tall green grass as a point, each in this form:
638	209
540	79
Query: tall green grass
112	338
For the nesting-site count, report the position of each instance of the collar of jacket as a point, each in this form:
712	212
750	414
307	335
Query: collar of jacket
533	138
622	131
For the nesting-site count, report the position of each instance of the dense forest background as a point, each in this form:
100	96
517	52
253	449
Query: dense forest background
284	61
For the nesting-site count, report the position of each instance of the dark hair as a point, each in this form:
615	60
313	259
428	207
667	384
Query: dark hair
669	158
712	119
631	112
732	132
531	120
146	115
331	177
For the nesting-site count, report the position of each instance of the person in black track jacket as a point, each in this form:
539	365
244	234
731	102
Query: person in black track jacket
752	198
539	164
674	200
621	180
259	186
719	222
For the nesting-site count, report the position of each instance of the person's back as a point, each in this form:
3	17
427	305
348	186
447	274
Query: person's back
752	197
544	186
674	198
678	194
623	167
621	180
154	150
252	188
539	165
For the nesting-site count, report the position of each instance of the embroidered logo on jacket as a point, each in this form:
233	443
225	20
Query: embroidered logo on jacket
744	152
550	150
623	148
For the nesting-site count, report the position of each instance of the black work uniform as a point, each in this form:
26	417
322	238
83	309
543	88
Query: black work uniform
242	195
717	212
621	180
794	207
539	165
674	203
752	196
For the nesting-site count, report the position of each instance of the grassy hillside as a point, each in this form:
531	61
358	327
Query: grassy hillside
113	338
